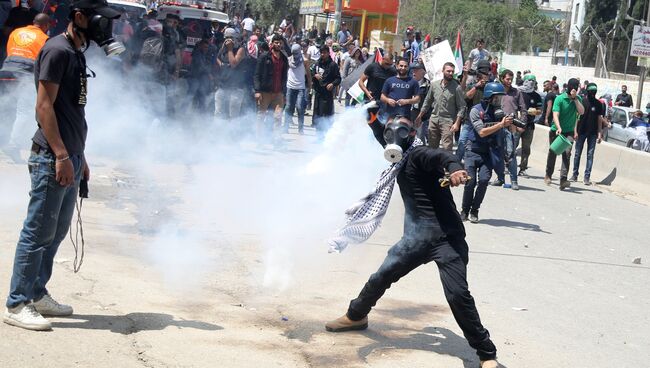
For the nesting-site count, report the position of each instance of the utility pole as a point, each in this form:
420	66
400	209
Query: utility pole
643	68
337	16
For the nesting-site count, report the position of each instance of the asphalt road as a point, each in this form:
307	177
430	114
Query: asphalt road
219	259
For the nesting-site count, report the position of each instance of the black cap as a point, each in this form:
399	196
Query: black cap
98	6
483	67
414	66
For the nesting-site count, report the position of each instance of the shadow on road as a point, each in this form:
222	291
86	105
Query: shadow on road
433	339
131	323
580	190
513	224
523	187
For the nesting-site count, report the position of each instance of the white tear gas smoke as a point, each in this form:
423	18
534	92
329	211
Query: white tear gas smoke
231	193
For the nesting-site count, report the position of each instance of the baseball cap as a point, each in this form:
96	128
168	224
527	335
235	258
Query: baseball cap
98	6
592	87
414	66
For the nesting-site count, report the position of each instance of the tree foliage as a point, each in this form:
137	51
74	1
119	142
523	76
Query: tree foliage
497	23
607	17
273	11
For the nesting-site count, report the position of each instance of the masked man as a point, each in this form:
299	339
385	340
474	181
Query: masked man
433	231
57	163
482	149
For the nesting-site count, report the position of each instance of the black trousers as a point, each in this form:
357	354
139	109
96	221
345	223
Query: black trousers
408	254
550	159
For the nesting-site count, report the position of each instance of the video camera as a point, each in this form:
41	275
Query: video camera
500	114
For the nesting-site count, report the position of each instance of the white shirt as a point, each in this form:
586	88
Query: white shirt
476	55
313	52
248	24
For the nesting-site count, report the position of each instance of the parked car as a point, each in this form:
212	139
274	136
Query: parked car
619	133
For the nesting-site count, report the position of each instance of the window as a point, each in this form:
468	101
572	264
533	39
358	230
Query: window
619	117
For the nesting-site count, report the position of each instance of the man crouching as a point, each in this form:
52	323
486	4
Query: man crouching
433	231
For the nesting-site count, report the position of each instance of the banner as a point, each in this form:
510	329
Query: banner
311	6
435	57
640	45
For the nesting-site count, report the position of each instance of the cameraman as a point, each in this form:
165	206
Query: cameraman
472	83
483	144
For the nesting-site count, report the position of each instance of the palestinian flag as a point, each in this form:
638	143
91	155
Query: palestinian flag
458	54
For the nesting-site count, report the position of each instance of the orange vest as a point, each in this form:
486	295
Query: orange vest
26	42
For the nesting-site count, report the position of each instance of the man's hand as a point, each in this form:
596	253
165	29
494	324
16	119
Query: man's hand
506	121
329	87
64	172
575	135
558	131
318	76
370	96
480	83
455	127
600	138
458	177
392	102
418	120
573	94
258	97
229	44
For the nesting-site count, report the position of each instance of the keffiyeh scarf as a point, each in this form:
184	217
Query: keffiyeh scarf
365	216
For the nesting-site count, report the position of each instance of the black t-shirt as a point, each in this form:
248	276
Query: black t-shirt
377	75
59	63
425	202
549	97
589	120
20	17
532	99
626	100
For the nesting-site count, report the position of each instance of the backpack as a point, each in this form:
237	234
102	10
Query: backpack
152	50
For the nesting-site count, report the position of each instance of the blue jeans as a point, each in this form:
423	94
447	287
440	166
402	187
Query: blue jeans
479	168
295	101
591	148
49	214
512	141
462	139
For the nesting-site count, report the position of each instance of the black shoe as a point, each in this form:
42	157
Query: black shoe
564	184
587	181
473	217
463	215
497	183
522	172
574	178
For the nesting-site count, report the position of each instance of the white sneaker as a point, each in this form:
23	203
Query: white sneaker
50	307
25	316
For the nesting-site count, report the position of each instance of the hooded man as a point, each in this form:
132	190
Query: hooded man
589	129
533	102
566	109
298	81
326	78
270	83
433	231
229	97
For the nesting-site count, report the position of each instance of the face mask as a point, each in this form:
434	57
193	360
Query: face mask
100	30
496	101
398	139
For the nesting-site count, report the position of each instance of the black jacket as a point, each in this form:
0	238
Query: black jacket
330	73
263	81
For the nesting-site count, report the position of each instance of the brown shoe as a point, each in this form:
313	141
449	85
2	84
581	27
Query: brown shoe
492	363
547	180
345	324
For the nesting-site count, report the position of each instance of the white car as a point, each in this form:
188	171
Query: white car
619	133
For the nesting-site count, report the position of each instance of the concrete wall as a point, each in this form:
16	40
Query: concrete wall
632	167
541	67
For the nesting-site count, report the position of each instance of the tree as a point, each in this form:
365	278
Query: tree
492	21
273	11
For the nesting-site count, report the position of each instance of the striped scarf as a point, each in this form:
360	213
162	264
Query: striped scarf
365	216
